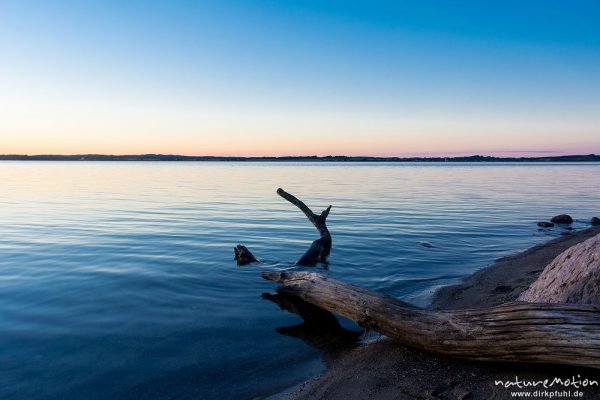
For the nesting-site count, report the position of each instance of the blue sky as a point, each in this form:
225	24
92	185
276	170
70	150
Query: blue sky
299	77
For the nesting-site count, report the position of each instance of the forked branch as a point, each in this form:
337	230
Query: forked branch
319	249
317	220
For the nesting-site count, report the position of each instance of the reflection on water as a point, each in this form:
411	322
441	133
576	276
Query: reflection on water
117	279
319	328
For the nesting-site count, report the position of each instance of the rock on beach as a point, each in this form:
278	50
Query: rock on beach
562	219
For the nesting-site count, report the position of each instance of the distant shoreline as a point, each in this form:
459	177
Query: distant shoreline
170	157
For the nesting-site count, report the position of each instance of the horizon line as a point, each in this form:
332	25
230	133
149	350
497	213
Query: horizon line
549	154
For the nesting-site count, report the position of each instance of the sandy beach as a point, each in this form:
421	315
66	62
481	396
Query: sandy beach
387	370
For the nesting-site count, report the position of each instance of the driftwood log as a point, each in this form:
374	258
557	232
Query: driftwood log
515	332
319	249
545	330
572	277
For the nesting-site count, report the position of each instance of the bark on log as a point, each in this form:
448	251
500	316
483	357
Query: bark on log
514	332
573	277
320	248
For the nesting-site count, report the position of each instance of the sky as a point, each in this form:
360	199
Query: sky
382	78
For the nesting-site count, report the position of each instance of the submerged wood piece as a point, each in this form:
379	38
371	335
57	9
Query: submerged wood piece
572	277
515	332
320	248
243	256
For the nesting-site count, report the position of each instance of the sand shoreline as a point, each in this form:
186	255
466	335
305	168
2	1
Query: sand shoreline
504	279
387	370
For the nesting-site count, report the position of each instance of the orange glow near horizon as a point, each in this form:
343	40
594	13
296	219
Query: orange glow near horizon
87	130
255	144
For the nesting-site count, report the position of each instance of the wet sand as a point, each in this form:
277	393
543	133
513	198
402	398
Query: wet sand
388	370
507	277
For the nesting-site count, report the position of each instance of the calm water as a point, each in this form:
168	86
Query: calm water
117	280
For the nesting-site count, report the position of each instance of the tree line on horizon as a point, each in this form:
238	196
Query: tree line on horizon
172	157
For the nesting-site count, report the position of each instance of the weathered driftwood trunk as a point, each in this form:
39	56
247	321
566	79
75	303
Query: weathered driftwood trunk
521	332
572	277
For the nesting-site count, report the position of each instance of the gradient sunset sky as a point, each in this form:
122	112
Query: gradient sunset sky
300	77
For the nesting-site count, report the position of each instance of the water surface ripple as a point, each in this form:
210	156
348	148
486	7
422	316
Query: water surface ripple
117	280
